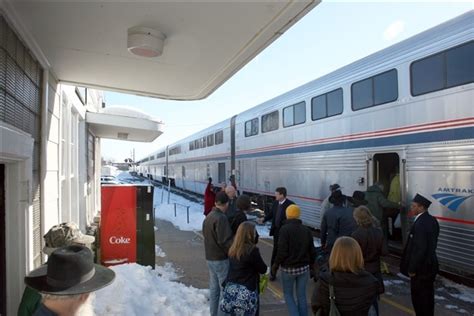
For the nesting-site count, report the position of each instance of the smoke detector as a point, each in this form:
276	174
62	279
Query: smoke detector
145	42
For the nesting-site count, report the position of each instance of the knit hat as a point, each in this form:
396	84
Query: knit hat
293	211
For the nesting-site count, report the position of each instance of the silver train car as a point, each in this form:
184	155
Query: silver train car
408	108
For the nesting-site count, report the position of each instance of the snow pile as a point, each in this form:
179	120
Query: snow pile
159	252
139	290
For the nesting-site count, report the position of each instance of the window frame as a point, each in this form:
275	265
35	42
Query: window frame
445	69
326	97
221	139
373	90
294	115
245	127
278	121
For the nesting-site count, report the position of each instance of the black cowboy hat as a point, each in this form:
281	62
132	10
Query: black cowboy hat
337	198
358	198
70	270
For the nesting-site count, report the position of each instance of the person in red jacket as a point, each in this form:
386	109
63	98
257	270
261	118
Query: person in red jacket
209	197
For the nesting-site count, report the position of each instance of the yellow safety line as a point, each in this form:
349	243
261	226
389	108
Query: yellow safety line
199	234
265	242
397	305
275	291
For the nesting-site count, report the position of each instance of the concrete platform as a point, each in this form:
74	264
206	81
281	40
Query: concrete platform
186	251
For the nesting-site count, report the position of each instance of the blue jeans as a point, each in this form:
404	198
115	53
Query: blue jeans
217	275
288	282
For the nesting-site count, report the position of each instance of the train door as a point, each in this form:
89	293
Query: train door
221	172
389	170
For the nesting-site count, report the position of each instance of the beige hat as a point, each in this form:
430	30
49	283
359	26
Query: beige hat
65	234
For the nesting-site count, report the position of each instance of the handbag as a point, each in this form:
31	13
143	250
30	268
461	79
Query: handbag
333	311
237	298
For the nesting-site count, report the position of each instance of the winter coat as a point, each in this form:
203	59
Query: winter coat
30	302
247	270
231	210
295	245
377	201
354	293
276	225
370	240
419	255
217	235
337	221
209	199
238	219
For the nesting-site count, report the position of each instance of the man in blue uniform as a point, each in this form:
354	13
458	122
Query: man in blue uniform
419	260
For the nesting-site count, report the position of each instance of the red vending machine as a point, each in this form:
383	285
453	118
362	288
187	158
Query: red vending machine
127	226
118	234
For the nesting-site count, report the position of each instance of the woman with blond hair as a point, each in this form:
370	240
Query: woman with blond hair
240	295
354	288
370	239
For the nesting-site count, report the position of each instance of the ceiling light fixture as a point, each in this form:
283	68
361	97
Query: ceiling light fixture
145	42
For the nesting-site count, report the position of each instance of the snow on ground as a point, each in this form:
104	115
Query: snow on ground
159	252
458	291
139	290
165	211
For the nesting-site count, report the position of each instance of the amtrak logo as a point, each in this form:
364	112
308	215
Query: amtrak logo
450	200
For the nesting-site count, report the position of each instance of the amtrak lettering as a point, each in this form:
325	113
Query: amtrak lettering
450	200
119	240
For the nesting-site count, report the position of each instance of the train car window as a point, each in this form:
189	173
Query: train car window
460	65
447	69
270	122
210	140
326	105
376	90
196	144
160	155
427	75
175	150
219	138
251	127
294	114
204	142
191	145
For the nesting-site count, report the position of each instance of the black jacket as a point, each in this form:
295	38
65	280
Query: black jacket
295	245
238	219
247	270
337	221
370	240
419	255
354	293
275	228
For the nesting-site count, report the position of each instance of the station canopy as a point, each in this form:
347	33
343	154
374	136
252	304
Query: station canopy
193	47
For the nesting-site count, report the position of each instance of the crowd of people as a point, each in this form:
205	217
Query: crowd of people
347	268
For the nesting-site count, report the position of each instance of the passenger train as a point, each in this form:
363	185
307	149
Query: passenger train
408	108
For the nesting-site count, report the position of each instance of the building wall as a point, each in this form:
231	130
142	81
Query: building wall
52	160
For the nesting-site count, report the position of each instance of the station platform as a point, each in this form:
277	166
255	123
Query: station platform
185	250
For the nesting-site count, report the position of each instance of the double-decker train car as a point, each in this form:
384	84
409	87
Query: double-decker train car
407	109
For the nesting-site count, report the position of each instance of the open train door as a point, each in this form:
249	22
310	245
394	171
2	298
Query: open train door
389	168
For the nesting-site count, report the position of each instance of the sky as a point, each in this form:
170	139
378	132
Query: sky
332	35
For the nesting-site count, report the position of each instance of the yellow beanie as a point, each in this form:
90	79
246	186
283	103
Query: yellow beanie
293	211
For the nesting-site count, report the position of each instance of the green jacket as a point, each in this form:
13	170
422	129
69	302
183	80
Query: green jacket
29	302
377	201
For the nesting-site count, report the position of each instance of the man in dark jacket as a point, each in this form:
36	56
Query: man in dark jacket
337	221
419	260
278	216
217	241
232	209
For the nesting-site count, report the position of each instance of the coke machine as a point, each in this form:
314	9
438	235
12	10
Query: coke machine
127	231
